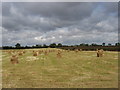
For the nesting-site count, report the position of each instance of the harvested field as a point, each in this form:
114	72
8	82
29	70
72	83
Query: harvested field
70	70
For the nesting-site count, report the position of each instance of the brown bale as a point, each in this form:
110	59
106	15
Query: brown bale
13	51
59	54
33	51
96	49
24	52
100	53
20	53
80	49
68	50
76	50
14	59
35	54
46	53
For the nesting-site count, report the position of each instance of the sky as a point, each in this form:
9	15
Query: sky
71	23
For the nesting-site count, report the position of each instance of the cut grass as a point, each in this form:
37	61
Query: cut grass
73	70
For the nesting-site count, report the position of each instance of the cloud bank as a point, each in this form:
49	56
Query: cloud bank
32	23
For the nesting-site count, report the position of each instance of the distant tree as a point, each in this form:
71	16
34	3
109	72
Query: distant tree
26	46
18	45
7	47
82	44
45	46
94	44
59	45
38	46
53	45
86	44
103	44
117	44
109	44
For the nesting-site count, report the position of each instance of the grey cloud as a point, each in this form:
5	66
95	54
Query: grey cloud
62	13
68	23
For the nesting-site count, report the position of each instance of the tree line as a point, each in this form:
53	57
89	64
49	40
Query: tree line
54	45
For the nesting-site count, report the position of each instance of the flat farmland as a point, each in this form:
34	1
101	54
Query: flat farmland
69	69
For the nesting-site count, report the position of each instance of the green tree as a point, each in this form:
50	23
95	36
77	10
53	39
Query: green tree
53	45
18	45
93	44
45	46
59	45
83	44
103	44
117	44
109	44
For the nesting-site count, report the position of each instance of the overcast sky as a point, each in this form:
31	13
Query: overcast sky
31	23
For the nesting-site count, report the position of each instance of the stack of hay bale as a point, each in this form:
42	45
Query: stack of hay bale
59	54
35	53
14	59
100	53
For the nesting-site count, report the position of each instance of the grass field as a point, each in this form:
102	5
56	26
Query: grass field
73	70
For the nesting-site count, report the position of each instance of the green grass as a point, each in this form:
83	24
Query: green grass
73	70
